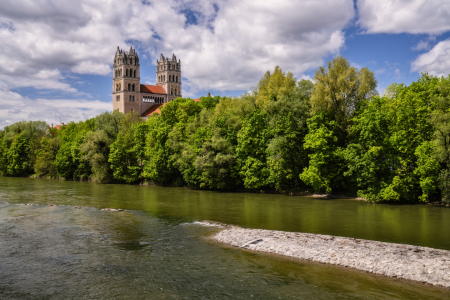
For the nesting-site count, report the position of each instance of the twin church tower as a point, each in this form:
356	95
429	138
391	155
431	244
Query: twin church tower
129	95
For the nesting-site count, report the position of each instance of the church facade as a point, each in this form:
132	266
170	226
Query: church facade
129	95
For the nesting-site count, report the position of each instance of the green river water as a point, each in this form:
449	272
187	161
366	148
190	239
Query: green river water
155	250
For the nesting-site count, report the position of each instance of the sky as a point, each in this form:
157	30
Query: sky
56	55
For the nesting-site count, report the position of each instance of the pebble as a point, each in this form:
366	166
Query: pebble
415	263
113	209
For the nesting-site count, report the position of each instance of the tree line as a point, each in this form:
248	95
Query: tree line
336	135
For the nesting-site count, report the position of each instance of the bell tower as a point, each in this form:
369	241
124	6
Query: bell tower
168	76
126	81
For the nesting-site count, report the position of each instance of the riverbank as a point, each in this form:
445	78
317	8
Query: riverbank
415	263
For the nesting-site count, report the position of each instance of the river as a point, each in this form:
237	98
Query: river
155	250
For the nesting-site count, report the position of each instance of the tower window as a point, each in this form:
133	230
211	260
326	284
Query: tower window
177	79
129	87
118	98
126	73
132	87
134	73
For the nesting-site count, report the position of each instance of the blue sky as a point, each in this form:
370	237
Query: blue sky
56	55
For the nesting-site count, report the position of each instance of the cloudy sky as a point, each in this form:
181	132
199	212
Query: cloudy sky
56	55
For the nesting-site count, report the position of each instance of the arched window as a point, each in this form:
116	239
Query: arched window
126	73
129	98
176	79
129	87
134	73
132	87
164	78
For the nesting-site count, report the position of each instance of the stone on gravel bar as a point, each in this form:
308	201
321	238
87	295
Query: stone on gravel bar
396	260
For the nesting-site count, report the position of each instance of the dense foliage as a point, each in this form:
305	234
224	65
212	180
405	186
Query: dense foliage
337	135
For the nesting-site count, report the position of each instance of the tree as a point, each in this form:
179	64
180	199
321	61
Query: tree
287	117
127	153
96	144
68	161
326	164
3	152
341	89
274	85
165	140
251	150
440	119
45	157
19	157
390	156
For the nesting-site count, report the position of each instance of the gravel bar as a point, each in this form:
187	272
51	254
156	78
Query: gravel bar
416	263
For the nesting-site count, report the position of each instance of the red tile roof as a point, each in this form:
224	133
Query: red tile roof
59	127
154	109
154	89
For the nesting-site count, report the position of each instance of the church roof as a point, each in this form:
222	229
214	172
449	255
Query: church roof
153	109
156	108
154	89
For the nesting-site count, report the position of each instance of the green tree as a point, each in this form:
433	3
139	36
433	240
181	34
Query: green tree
287	117
340	90
326	161
390	156
68	162
440	119
252	152
128	152
96	145
273	85
208	159
3	152
165	140
45	157
19	157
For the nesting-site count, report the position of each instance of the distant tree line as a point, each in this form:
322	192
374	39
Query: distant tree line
337	135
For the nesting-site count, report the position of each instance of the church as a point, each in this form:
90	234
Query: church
129	95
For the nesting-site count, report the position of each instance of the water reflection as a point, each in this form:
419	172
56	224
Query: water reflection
152	250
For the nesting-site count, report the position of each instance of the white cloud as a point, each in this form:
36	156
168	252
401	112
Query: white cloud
436	61
14	108
422	45
247	38
404	16
230	46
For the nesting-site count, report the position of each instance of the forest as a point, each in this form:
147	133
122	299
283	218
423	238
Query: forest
333	135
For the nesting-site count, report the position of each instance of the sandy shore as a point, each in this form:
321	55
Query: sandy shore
422	264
